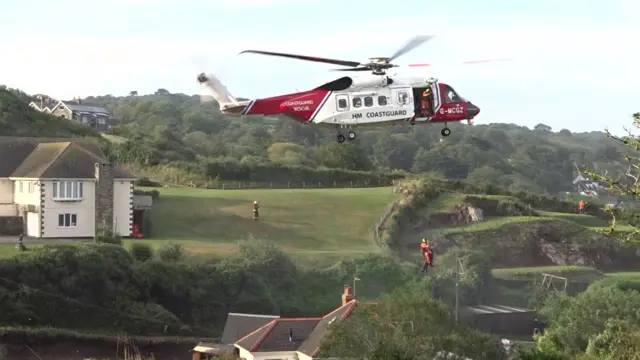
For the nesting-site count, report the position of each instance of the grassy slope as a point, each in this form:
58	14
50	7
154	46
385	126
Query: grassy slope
447	202
318	225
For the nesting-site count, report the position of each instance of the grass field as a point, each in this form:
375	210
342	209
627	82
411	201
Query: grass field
570	272
312	224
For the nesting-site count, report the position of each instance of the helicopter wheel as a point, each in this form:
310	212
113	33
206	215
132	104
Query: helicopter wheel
445	132
341	138
351	135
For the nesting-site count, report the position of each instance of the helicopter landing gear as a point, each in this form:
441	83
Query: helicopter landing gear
350	135
445	132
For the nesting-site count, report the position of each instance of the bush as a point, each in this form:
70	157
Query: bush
155	194
144	181
105	236
141	252
171	252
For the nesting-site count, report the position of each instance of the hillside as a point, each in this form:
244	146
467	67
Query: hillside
512	232
178	129
18	119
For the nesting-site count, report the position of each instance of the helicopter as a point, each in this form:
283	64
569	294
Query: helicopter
351	102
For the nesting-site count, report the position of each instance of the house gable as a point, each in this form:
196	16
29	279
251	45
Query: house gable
311	346
240	325
52	158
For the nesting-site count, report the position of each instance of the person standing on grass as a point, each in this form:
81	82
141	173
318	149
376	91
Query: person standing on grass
255	210
581	206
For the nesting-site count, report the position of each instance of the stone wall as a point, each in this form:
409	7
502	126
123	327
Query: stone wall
11	225
104	196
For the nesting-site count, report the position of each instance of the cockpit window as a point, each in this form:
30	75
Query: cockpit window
450	96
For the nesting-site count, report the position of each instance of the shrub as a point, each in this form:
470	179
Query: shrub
141	252
106	236
171	252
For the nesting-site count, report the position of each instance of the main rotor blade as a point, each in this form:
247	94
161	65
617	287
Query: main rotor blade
304	57
462	63
410	45
354	69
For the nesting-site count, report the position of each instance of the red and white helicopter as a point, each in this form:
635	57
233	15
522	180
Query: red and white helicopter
350	102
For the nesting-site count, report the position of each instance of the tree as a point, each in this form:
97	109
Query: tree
626	184
346	156
406	324
162	92
133	93
619	340
588	311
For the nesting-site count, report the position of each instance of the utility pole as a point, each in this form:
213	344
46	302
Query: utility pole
355	278
459	271
457	286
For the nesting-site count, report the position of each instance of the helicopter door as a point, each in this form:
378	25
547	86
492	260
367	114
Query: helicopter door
435	89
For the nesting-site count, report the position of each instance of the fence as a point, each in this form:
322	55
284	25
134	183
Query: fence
235	185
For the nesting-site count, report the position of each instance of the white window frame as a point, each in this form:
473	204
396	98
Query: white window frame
20	186
67	221
68	190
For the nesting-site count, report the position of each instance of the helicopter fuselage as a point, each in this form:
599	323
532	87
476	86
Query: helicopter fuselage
366	101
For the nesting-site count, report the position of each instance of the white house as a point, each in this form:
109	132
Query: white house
63	188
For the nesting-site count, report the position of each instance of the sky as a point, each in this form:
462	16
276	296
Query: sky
575	64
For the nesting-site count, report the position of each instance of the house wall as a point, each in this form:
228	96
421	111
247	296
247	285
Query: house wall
123	207
30	195
8	210
302	356
6	191
62	112
84	210
275	355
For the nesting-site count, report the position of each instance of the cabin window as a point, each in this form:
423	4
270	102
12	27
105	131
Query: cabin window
357	102
450	96
382	100
342	102
368	101
403	98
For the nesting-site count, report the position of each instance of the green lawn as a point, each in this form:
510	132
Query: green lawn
625	275
311	224
571	272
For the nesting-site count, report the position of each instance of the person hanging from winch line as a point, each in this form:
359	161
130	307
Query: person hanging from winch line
424	246
428	260
255	210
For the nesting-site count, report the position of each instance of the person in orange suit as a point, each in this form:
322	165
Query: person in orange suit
426	103
255	210
581	206
428	260
424	246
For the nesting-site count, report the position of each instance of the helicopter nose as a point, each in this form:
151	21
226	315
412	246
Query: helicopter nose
472	110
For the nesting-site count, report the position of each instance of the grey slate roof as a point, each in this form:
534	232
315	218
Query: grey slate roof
311	345
279	335
241	325
92	109
52	158
495	309
302	334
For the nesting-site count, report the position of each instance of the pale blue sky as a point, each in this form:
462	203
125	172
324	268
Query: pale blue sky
575	61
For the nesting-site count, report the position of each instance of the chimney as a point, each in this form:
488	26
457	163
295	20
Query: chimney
347	295
104	196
